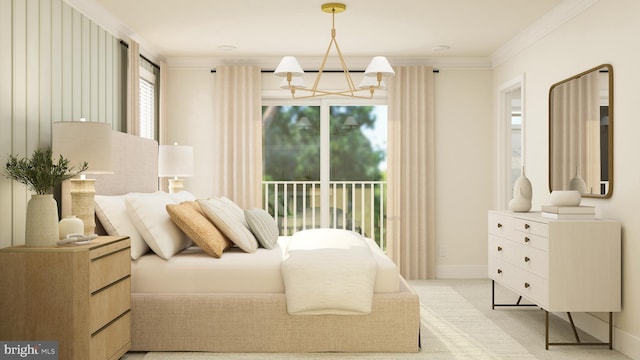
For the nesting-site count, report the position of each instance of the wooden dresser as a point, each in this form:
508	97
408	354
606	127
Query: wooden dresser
78	295
560	265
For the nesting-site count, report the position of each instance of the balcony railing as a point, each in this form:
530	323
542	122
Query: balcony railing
353	205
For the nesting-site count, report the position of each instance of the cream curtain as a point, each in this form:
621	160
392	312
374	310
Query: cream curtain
411	178
576	132
133	88
238	134
162	106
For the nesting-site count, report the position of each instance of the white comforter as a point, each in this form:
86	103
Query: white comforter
337	277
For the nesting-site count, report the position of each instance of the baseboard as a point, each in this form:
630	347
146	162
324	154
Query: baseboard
461	272
623	342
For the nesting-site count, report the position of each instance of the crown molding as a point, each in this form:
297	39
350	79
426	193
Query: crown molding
98	14
562	13
312	63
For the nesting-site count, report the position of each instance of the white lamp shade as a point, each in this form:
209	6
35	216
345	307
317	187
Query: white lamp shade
80	141
369	81
379	64
297	82
289	64
175	161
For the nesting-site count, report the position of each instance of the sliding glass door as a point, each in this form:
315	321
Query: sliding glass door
325	166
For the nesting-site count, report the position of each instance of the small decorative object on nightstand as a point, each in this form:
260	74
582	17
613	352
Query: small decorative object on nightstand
70	224
77	295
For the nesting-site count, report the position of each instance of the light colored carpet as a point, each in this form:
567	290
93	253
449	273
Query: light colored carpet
457	323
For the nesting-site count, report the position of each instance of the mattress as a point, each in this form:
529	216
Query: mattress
236	272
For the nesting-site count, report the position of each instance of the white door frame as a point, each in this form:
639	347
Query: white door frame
503	143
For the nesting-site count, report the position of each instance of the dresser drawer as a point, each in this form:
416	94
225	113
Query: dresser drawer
532	240
524	283
532	260
109	303
500	225
109	268
531	227
112	341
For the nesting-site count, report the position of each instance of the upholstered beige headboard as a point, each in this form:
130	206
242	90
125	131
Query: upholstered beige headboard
135	169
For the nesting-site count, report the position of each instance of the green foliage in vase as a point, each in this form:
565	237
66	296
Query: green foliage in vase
40	173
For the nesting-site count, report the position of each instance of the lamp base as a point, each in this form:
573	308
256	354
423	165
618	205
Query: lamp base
175	185
83	192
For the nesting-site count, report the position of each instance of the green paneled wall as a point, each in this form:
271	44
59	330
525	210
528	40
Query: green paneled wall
55	65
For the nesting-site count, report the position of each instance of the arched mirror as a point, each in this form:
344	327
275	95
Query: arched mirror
581	133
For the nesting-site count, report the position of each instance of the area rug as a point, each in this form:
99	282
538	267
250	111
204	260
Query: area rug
451	328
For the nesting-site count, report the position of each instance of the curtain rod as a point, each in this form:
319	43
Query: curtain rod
122	42
435	71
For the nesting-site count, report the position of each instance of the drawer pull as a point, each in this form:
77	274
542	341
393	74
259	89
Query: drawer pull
526	239
526	285
499	248
526	226
499	271
499	226
526	259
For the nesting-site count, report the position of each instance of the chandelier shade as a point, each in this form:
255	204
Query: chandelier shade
379	65
289	66
290	69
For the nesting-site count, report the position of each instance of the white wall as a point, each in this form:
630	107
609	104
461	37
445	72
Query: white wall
463	105
190	114
604	33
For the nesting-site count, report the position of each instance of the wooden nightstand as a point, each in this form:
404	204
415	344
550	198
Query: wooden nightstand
78	295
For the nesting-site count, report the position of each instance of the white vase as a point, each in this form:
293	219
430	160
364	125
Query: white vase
522	186
42	221
522	194
70	225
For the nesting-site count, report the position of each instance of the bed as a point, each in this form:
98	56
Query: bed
189	302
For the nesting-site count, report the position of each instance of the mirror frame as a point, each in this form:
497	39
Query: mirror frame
609	68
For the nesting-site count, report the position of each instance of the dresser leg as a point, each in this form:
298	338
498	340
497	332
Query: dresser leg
493	294
546	330
575	333
610	330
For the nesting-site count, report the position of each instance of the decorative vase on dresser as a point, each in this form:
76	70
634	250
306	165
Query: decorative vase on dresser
42	221
559	265
522	194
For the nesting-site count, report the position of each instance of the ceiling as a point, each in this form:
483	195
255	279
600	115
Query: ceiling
273	28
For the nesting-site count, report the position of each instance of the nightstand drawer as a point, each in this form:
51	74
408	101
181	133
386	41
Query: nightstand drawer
113	341
109	303
109	268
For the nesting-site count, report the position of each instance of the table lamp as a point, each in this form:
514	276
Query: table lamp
175	161
80	141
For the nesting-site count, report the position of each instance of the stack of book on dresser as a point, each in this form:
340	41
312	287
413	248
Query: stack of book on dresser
569	212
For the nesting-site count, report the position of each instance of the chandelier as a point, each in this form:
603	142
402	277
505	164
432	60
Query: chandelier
290	69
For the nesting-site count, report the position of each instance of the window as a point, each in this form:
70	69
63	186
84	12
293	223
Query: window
148	99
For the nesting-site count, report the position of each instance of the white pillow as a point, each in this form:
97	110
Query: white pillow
235	209
149	215
182	196
229	224
112	213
